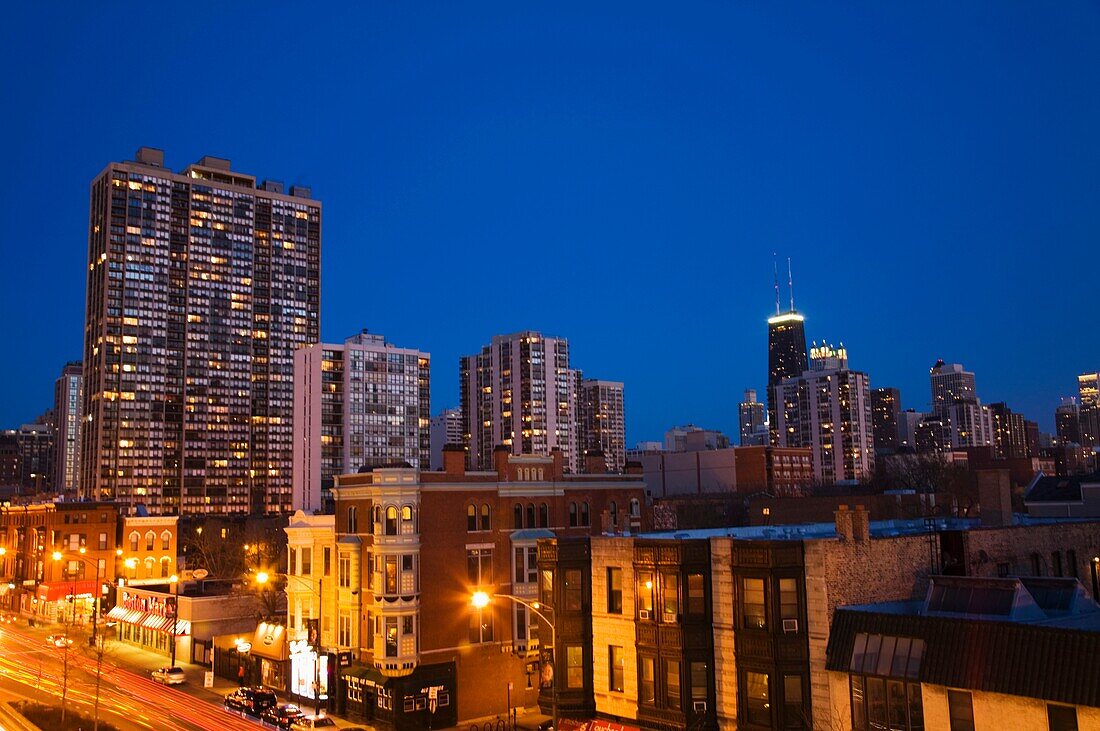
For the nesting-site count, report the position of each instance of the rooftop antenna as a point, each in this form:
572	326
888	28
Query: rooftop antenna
775	266
790	282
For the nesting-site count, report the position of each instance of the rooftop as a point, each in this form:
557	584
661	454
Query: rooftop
878	529
1058	489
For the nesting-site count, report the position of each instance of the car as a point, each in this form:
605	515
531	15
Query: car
169	676
281	716
250	701
59	640
7	619
307	723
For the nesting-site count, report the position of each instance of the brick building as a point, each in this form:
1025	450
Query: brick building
767	596
458	532
36	584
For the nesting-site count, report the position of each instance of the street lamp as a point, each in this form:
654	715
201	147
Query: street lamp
174	579
1096	578
57	556
481	599
262	577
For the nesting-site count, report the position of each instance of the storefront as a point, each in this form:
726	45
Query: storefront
305	674
68	602
266	657
148	620
425	699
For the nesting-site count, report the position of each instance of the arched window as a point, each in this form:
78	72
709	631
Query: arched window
635	508
486	523
406	513
471	518
540	474
353	519
391	521
165	539
134	538
613	511
572	515
149	538
585	519
165	565
544	515
517	511
530	515
149	563
377	518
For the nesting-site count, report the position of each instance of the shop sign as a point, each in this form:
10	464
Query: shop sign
300	647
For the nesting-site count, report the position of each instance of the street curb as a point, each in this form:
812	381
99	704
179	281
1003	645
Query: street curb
13	720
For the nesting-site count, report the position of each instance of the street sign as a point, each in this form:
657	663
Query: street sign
208	679
200	574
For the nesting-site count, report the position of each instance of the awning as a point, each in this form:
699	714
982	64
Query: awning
152	621
368	673
53	590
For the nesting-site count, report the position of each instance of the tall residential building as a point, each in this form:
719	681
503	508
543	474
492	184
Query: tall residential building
955	402
519	392
365	403
602	422
1031	436
885	414
36	448
446	428
1067	421
201	285
828	408
1009	432
750	413
67	403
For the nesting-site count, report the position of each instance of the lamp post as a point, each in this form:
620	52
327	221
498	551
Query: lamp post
175	579
58	556
481	599
1096	578
262	578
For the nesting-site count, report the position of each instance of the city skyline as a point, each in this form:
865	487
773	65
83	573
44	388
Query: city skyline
719	183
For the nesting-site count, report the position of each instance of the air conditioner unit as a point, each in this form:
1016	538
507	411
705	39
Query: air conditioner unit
668	618
644	614
790	625
699	706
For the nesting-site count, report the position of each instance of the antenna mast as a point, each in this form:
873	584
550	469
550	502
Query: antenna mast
790	282
775	266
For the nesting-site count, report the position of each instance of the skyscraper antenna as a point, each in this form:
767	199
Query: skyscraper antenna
790	282
775	266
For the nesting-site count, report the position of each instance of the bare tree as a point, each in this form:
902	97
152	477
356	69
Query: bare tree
99	650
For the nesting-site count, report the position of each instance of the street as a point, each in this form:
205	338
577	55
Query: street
131	701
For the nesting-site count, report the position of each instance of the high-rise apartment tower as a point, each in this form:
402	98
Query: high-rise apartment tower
201	285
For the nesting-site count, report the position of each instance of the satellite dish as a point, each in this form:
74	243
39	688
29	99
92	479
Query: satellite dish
200	573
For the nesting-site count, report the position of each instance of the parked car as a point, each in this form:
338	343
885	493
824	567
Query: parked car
169	676
250	701
59	640
307	723
281	716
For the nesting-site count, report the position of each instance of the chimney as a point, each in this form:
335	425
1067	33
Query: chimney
995	498
861	524
843	523
595	463
559	463
501	454
454	459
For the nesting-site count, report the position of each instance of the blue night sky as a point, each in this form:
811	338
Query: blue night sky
620	178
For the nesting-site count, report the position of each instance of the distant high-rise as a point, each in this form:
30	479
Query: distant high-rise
67	403
885	411
1067	421
362	403
36	445
908	421
955	403
602	421
751	417
1009	432
1031	436
446	428
201	285
1088	389
519	392
828	408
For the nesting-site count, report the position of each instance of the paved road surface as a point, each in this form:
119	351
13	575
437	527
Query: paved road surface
133	702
